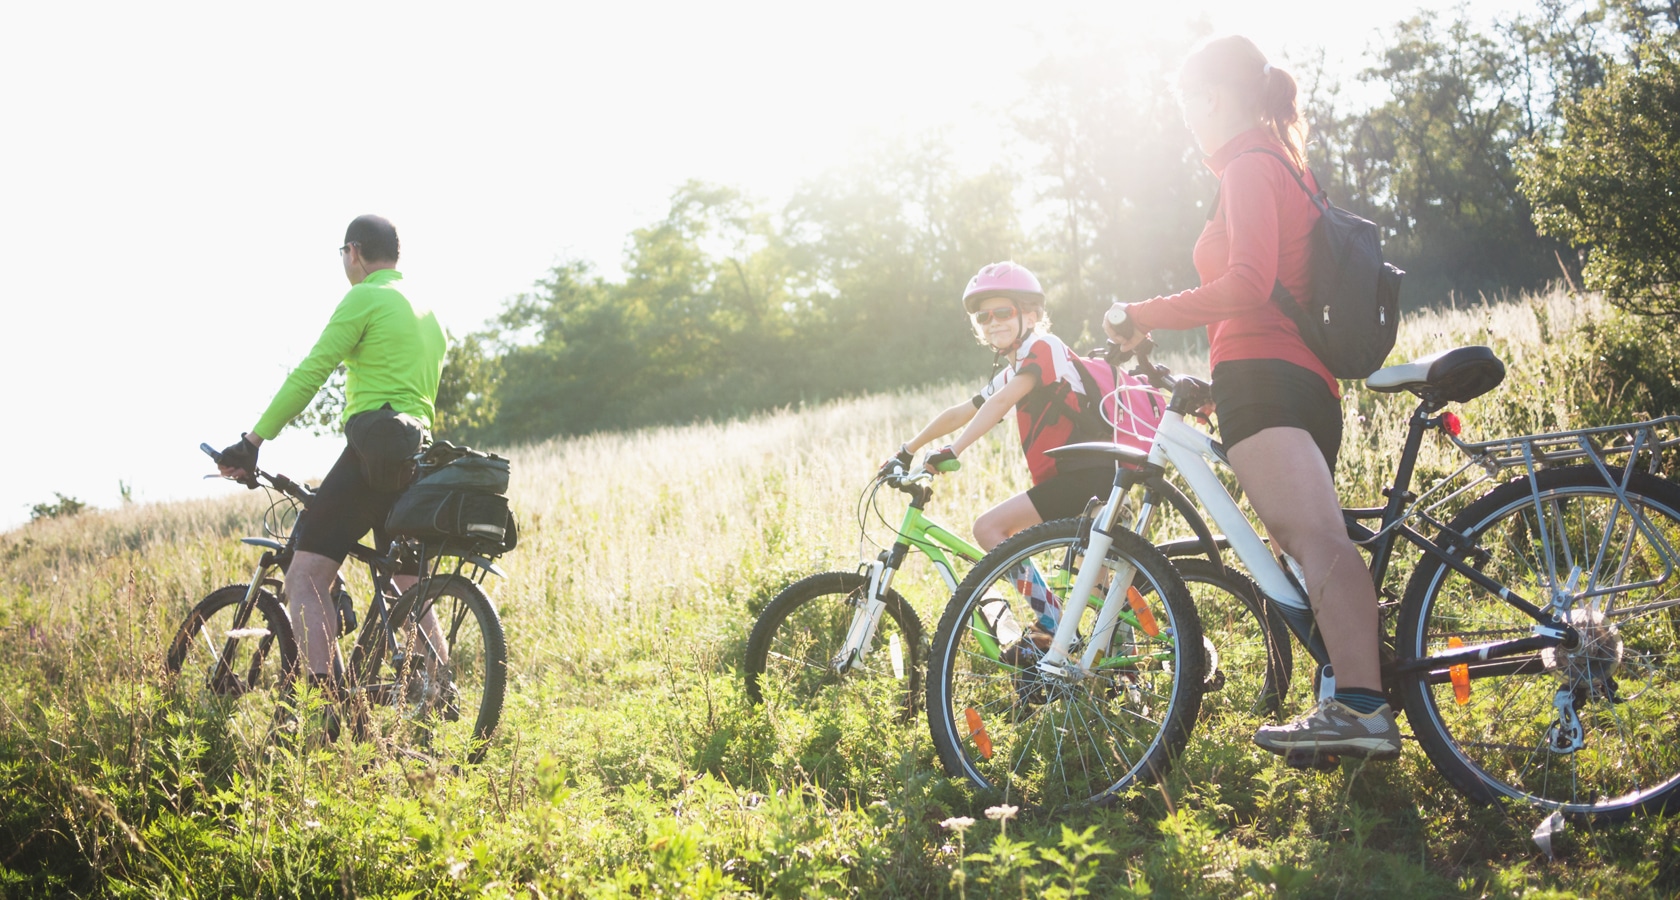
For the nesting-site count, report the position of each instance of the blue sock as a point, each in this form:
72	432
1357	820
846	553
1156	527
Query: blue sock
1360	700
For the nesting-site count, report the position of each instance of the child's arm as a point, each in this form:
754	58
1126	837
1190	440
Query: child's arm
944	423
992	411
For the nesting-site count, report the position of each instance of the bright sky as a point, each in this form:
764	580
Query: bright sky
175	178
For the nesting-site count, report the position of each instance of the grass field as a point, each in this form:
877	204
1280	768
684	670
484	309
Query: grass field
628	762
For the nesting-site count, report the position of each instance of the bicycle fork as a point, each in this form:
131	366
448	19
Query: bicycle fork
867	615
220	671
1056	661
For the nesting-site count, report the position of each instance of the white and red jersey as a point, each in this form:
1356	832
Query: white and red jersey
1049	415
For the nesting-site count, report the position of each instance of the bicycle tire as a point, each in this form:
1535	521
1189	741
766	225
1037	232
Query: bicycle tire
793	645
265	658
1253	647
988	707
445	708
1508	738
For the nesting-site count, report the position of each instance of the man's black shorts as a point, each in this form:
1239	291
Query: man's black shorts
1065	494
344	509
1251	395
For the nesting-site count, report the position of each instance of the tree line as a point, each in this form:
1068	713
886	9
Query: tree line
1481	150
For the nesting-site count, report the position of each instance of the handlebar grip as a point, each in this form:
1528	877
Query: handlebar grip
211	452
949	465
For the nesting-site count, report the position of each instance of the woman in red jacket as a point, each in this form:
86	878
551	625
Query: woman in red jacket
1279	409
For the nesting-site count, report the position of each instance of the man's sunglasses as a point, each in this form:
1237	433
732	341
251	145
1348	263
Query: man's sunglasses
1003	314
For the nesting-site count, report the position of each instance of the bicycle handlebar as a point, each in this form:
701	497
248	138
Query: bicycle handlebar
256	477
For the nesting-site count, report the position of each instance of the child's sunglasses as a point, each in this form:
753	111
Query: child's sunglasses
1003	314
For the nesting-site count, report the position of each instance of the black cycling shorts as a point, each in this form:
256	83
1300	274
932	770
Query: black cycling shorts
1065	494
1251	395
344	509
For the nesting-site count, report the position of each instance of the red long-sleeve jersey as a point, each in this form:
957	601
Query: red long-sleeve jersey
1260	233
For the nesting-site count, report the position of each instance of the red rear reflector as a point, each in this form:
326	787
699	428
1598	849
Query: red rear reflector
1452	423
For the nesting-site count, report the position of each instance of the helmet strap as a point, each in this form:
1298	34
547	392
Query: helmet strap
1020	331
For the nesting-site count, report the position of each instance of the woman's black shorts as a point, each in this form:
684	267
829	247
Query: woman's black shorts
1251	395
1065	494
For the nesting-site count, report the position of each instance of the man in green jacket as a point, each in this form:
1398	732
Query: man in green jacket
394	350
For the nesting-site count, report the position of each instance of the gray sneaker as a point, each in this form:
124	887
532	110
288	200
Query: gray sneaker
1334	729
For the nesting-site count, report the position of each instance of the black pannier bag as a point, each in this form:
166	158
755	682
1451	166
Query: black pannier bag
460	503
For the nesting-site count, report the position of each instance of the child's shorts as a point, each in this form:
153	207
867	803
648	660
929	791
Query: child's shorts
1066	493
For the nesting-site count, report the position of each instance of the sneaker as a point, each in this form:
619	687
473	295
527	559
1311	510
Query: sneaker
1027	649
1332	728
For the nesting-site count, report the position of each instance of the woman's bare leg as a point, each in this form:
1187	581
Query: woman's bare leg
1290	488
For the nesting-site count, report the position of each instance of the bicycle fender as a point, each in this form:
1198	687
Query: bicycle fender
1204	540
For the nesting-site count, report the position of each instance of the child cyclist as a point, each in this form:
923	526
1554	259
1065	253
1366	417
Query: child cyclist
1043	383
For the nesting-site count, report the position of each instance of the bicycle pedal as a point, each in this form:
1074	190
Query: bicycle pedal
1312	759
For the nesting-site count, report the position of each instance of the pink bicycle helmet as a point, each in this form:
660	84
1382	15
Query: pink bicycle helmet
1001	279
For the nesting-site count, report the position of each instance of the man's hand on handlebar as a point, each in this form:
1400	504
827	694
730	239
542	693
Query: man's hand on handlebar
239	460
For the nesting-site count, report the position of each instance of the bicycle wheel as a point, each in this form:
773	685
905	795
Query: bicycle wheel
1588	730
1248	669
792	654
228	652
1053	741
442	694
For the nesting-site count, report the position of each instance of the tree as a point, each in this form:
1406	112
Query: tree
64	508
1611	184
466	397
1432	163
1120	185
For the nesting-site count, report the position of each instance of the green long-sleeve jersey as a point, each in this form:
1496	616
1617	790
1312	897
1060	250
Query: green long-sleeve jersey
393	351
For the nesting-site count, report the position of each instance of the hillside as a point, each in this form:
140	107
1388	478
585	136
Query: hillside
629	763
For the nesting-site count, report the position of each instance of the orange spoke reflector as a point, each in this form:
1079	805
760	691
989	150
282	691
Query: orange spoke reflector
1460	675
977	730
1146	619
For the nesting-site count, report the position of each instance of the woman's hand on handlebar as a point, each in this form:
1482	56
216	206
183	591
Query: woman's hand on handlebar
1121	329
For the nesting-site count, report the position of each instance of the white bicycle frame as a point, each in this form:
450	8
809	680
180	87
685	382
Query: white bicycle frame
1189	451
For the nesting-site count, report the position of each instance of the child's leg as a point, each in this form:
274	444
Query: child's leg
1005	520
997	525
1062	496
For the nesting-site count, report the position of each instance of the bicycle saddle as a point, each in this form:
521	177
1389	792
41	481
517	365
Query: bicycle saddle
1451	376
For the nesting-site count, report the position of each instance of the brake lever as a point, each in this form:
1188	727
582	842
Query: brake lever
1115	354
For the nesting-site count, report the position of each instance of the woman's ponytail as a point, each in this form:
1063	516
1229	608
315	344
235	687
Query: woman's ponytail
1277	104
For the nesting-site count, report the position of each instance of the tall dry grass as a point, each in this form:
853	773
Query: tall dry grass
629	764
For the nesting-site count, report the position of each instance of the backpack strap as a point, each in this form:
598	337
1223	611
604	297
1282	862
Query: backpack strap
1280	295
1090	404
1320	199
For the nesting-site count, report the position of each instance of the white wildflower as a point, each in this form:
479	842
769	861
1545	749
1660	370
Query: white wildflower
958	824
